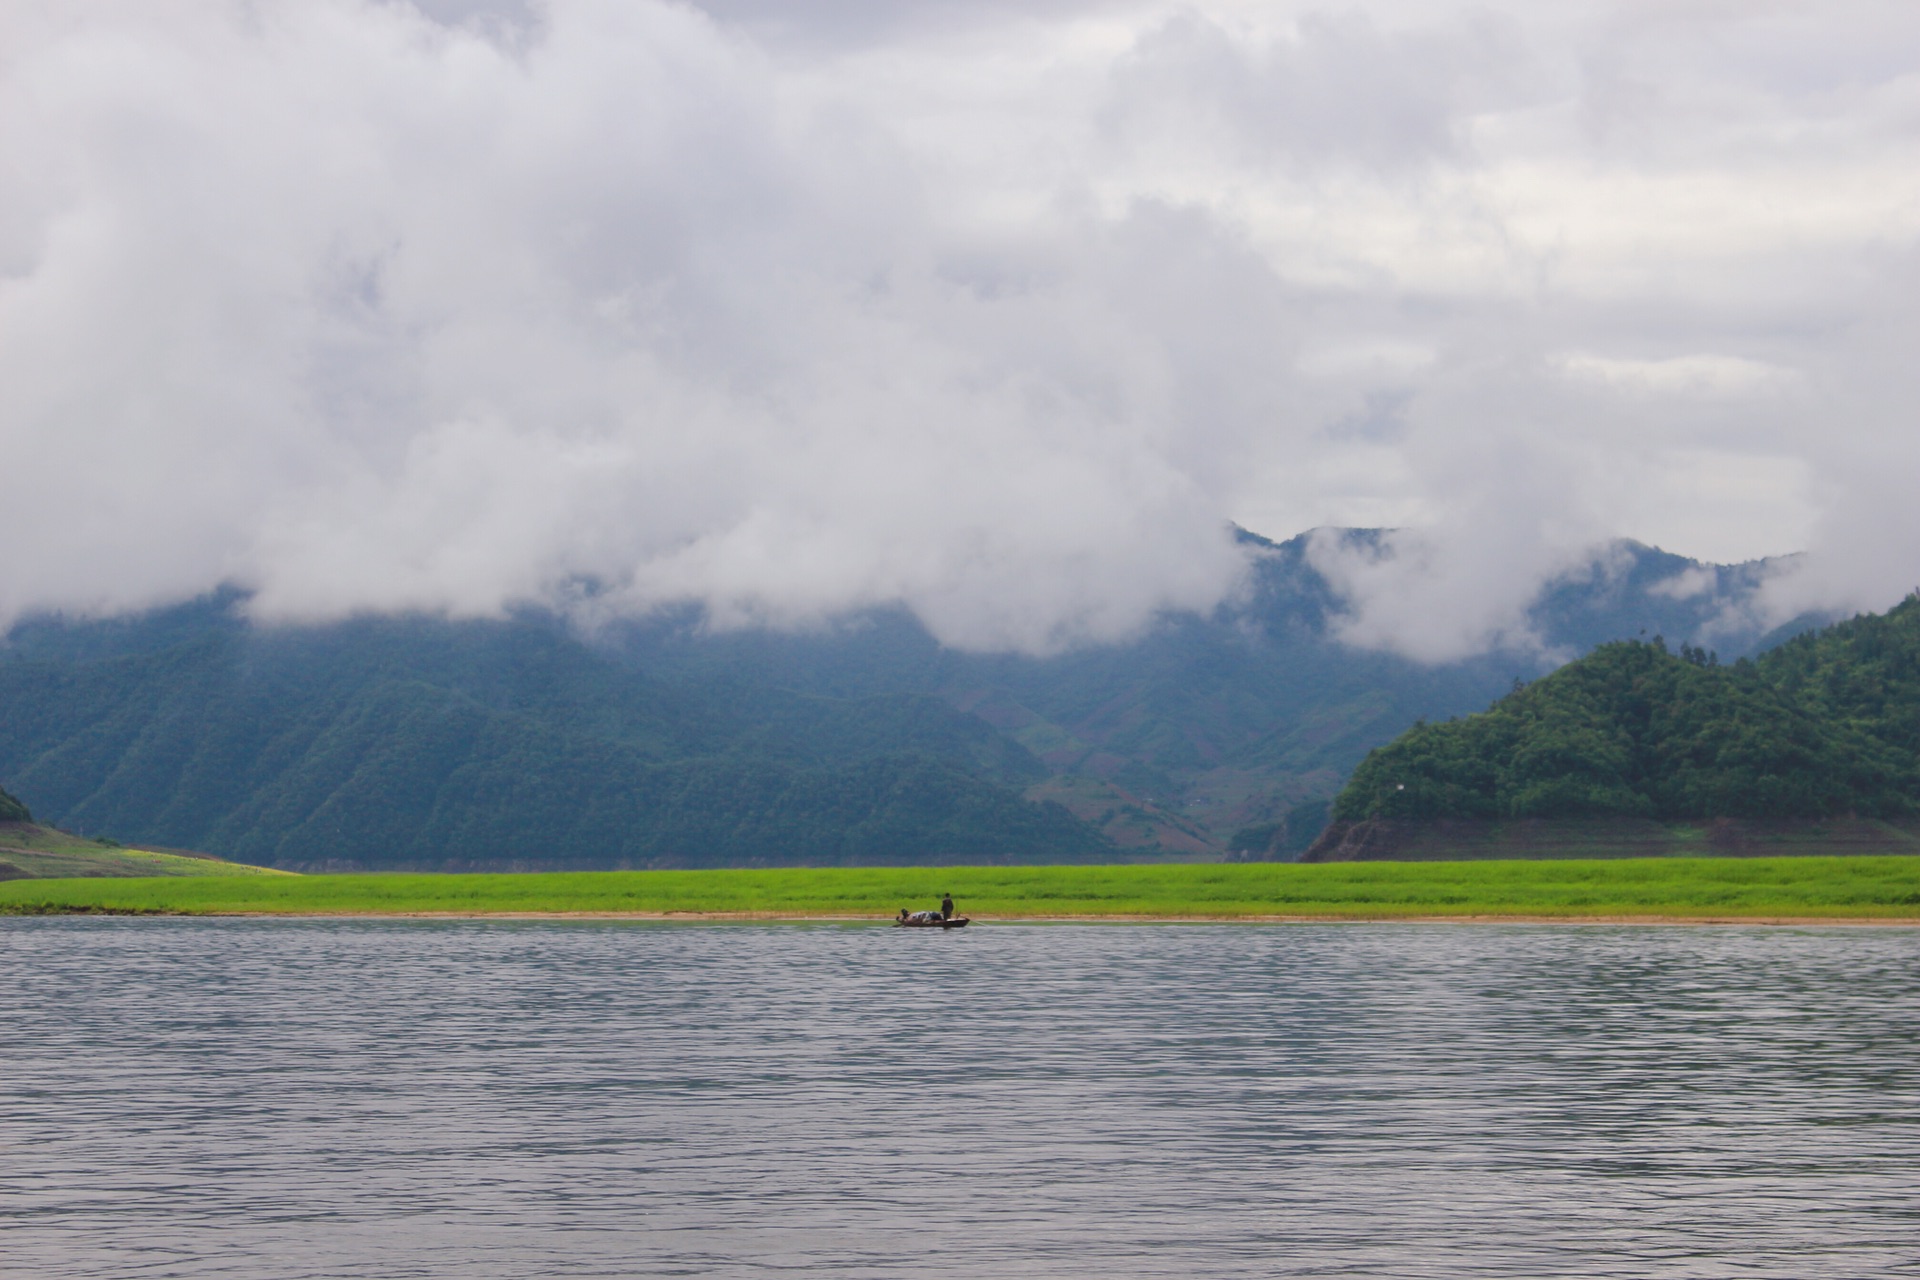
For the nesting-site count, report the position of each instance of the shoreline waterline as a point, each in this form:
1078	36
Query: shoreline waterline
801	917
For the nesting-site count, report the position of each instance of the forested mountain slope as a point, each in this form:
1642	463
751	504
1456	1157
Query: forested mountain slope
424	743
1228	725
1824	725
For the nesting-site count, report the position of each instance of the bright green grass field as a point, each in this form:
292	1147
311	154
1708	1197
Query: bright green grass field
1849	887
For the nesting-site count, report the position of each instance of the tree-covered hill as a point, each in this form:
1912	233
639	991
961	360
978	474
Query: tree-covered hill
1235	725
1825	724
427	743
11	810
412	743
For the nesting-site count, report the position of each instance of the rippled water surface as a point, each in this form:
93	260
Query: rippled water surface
352	1099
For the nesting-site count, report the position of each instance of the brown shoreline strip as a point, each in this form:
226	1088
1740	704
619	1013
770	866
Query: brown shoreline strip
797	917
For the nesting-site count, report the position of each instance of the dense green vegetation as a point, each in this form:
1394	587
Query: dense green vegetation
1233	719
11	810
424	745
1825	724
1666	887
419	743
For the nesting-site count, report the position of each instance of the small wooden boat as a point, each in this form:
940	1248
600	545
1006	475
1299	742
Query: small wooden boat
929	920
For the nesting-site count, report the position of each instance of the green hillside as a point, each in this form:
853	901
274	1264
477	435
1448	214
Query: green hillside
1238	726
1823	726
390	743
29	851
413	744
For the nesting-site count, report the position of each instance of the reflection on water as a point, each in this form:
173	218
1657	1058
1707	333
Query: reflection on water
352	1099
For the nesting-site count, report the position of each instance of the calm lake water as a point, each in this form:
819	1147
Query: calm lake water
288	1099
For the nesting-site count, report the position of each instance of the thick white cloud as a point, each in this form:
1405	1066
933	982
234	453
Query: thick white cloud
995	310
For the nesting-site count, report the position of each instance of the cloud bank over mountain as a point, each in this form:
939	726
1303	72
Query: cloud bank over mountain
998	311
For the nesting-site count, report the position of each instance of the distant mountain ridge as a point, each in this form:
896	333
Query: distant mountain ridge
422	743
1206	727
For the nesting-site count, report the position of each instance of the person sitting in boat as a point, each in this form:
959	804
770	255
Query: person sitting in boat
946	906
925	917
903	915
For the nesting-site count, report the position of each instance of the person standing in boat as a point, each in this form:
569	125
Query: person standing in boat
946	906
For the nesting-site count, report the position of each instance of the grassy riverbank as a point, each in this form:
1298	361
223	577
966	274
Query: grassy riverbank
1680	888
30	851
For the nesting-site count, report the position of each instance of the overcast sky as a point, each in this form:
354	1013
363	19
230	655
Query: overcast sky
1000	310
